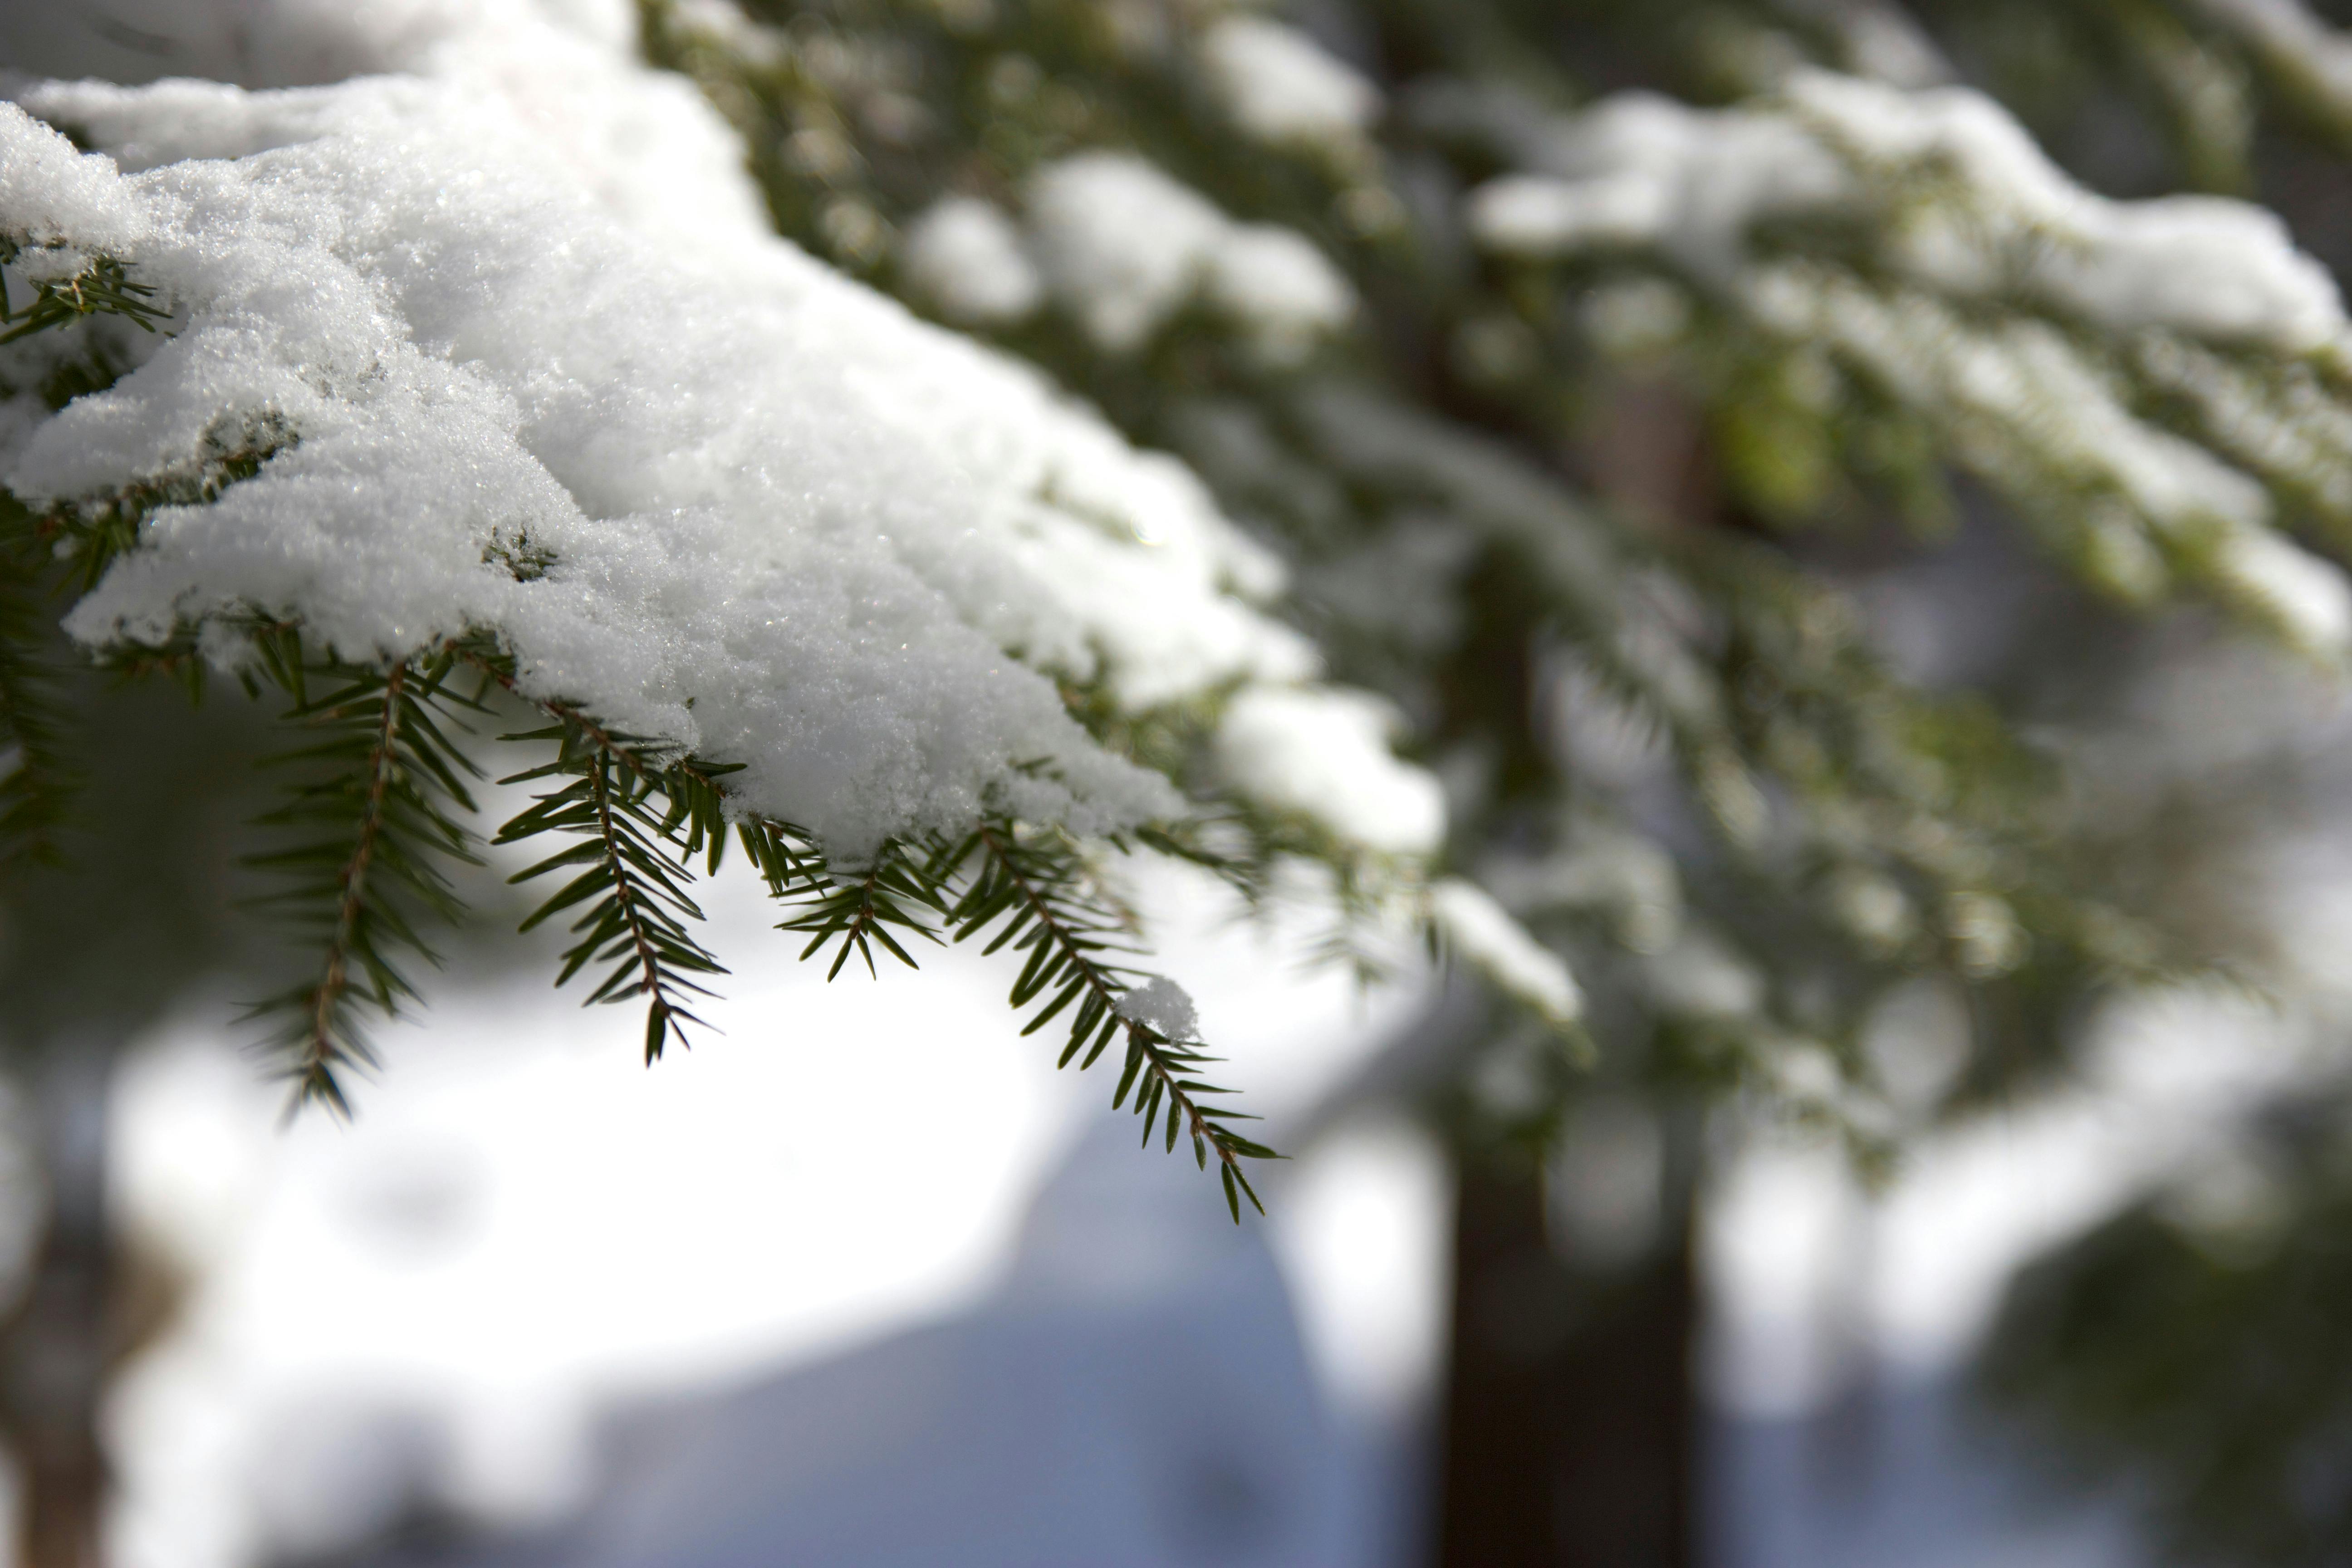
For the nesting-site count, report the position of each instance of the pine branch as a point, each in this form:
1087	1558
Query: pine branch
1036	887
381	786
860	910
102	288
634	927
1058	917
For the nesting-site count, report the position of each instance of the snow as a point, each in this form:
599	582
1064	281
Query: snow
1639	169
1480	931
1643	170
1278	286
1283	87
1124	247
527	294
2200	264
49	192
1323	756
964	255
1162	1004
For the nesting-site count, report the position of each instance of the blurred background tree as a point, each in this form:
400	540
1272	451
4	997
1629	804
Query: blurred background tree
1598	367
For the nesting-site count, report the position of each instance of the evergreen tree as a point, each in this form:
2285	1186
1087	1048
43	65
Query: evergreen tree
1656	323
1563	360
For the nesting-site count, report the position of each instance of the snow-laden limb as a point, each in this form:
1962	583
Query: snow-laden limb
1123	249
489	372
1953	271
788	524
1323	756
1959	198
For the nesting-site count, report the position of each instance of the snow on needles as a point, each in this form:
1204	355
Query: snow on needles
523	301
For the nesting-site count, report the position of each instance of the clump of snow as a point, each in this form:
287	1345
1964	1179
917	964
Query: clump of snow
964	255
2197	264
526	295
1323	755
1283	87
1641	170
1480	931
1124	247
1270	278
51	195
1161	1004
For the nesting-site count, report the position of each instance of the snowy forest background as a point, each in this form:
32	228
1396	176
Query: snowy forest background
1699	646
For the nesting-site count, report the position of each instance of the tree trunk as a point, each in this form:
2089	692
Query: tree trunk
55	1348
1570	1421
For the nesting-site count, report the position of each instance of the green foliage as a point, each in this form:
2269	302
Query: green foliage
1513	478
39	778
632	926
858	909
373	807
1033	892
102	287
381	800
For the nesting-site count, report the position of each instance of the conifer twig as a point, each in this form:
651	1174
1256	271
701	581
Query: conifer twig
374	789
1035	888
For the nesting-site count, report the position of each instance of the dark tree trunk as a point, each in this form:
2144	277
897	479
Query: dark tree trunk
56	1347
1569	1432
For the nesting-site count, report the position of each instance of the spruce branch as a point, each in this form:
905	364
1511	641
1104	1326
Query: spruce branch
375	804
1058	914
860	909
782	852
634	928
102	287
1037	885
